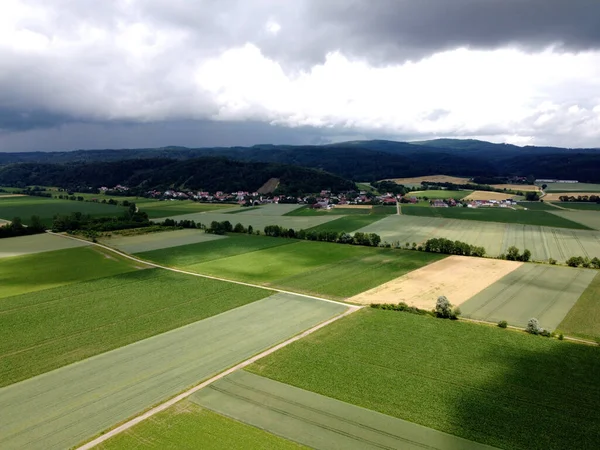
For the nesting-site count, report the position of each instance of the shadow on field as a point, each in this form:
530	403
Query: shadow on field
548	399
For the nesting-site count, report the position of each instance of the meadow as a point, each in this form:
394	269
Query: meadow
572	187
166	208
501	215
538	206
496	238
47	208
541	291
319	268
583	320
29	273
499	387
315	420
62	408
269	209
154	241
336	211
579	206
36	243
76	321
187	426
348	224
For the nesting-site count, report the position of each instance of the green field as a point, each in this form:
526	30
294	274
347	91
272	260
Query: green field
538	206
348	224
439	194
583	320
500	387
187	426
157	209
269	209
318	268
62	408
315	420
502	215
76	321
337	211
590	219
572	187
589	206
36	243
496	238
156	241
541	291
47	208
29	273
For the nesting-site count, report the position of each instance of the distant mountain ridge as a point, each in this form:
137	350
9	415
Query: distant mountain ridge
372	160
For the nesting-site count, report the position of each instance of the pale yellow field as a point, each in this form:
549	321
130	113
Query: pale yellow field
555	196
457	277
11	195
355	206
484	195
518	187
435	178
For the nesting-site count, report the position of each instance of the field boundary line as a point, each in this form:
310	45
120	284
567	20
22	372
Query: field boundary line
185	272
157	409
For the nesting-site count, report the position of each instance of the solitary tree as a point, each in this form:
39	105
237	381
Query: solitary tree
533	326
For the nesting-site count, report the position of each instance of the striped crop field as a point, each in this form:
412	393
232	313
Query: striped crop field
188	426
36	243
30	273
155	241
541	291
73	322
499	387
270	209
588	218
319	268
543	242
583	320
572	187
315	420
64	407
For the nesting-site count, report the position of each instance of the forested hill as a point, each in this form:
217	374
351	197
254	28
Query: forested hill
210	174
374	160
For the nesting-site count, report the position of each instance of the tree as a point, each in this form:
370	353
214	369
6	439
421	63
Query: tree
512	254
443	307
533	326
36	224
532	196
526	256
544	186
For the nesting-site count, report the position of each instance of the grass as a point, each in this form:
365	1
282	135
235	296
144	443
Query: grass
439	194
74	403
73	322
499	387
541	291
589	219
245	209
29	273
47	208
319	268
315	420
583	320
502	215
336	211
537	206
36	243
188	426
579	206
154	241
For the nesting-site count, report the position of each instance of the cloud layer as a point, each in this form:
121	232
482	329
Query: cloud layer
507	70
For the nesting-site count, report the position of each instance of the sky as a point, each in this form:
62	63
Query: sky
149	73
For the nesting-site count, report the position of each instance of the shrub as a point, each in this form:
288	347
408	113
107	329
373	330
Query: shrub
552	261
526	256
575	261
561	337
533	326
512	254
444	310
503	324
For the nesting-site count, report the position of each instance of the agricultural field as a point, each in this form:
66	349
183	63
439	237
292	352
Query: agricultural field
518	187
496	238
569	188
258	221
64	407
36	243
439	194
488	195
348	224
269	209
538	206
154	241
336	211
166	208
315	420
319	268
47	208
583	320
472	381
76	321
416	181
590	219
187	426
578	206
491	214
36	272
541	291
458	277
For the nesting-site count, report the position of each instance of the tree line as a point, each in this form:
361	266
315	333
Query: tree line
16	228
